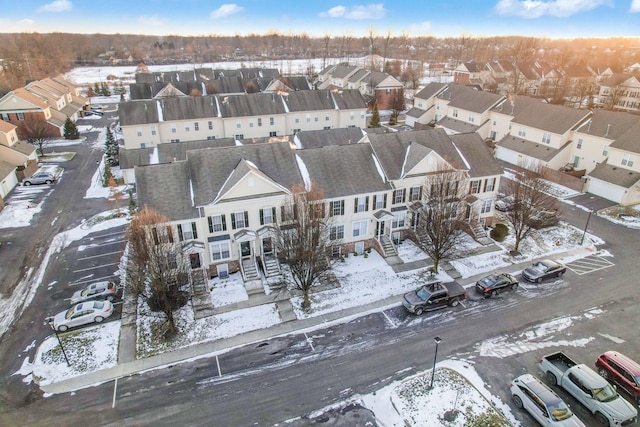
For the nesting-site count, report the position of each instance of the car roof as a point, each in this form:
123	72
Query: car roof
539	388
626	362
550	262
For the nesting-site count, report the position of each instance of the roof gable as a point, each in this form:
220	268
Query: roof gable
247	181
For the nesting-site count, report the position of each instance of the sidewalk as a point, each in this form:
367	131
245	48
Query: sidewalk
290	324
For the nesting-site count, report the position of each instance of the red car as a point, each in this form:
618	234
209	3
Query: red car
621	370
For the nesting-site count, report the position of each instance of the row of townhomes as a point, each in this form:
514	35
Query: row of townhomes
601	146
617	91
51	99
223	202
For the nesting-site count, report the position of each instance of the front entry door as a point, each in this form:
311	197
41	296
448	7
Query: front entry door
379	228
267	246
245	249
195	260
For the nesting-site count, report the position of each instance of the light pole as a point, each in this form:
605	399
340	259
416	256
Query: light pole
435	356
50	322
585	227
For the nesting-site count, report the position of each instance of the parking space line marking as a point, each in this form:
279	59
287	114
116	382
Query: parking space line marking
393	324
309	341
101	255
99	245
96	279
218	363
115	387
589	264
97	266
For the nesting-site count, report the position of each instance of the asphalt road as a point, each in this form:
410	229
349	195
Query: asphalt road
285	378
64	208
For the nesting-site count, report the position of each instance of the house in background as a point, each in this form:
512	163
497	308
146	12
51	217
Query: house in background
19	154
620	92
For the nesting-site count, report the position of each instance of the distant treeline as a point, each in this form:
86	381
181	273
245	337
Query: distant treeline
29	56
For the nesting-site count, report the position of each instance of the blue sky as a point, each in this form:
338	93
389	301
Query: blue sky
439	18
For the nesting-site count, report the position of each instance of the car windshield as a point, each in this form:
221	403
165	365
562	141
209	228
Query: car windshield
559	410
423	294
540	266
638	379
605	394
85	291
69	313
489	280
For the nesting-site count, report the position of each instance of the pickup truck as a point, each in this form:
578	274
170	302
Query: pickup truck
589	388
433	296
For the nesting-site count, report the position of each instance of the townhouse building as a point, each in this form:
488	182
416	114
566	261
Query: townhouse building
373	85
620	92
147	123
455	108
52	99
528	131
19	154
222	202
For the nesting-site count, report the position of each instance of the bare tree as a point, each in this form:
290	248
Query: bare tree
397	105
533	206
35	130
436	221
304	238
614	97
158	270
372	37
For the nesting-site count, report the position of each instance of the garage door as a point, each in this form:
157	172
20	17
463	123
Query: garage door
605	190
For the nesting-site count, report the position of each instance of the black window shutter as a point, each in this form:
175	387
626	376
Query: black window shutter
273	214
355	205
170	234
384	204
154	231
261	217
224	222
366	203
246	218
180	236
210	221
341	207
195	230
404	193
233	221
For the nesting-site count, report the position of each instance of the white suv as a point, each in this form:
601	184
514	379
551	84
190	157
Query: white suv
542	403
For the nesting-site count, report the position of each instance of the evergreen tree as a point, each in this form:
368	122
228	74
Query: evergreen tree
111	149
106	175
96	89
133	208
375	117
104	89
70	129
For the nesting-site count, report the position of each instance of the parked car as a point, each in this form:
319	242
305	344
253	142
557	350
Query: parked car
621	370
434	296
542	270
96	291
93	113
544	405
40	177
81	314
493	284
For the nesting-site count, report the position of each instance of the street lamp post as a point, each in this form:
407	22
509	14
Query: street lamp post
64	353
585	227
435	356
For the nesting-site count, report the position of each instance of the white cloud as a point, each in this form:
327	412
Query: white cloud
152	20
420	27
226	10
370	11
635	6
56	6
557	8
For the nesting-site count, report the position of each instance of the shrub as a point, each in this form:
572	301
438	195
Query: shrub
499	232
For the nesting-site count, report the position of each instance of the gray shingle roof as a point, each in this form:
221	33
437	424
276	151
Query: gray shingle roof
138	112
529	111
321	138
470	99
211	167
342	71
457	125
609	124
135	157
343	170
430	90
310	100
391	149
165	189
477	154
349	99
188	107
358	75
178	150
6	169
251	104
615	175
532	149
